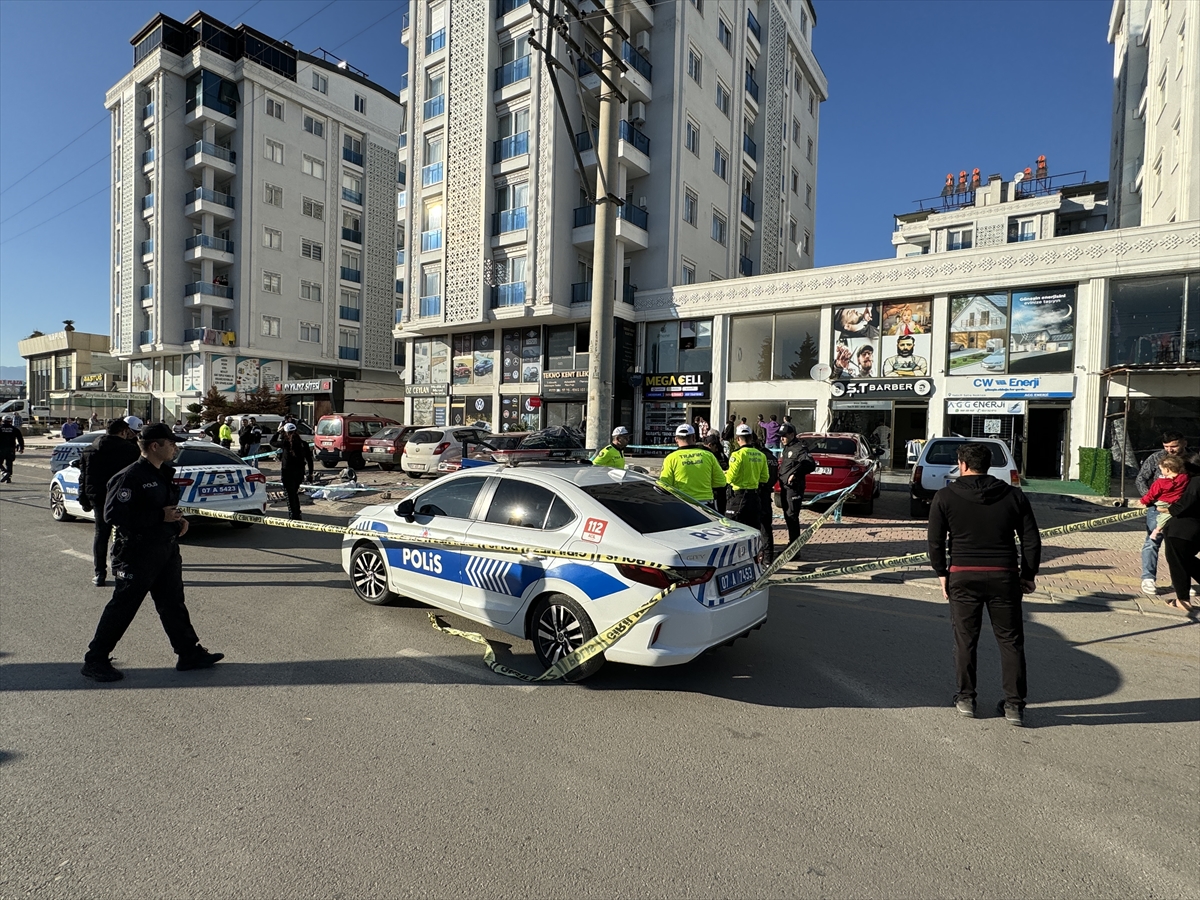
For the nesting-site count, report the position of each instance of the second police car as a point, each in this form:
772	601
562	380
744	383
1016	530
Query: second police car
558	604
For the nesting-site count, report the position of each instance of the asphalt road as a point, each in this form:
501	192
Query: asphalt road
343	750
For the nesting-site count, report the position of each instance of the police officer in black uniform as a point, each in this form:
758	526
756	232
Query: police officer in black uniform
141	504
795	463
108	455
295	458
12	442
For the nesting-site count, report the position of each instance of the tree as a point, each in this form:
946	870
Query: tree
215	405
259	402
806	357
194	410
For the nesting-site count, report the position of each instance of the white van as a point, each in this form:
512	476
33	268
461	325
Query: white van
25	409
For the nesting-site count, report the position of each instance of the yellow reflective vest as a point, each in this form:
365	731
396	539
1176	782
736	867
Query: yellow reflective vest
610	456
692	471
747	469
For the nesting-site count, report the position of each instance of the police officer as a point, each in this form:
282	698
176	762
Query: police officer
225	433
794	464
614	454
747	470
691	470
295	458
766	493
108	455
12	442
141	504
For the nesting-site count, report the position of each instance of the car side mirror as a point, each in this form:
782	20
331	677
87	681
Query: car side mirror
405	509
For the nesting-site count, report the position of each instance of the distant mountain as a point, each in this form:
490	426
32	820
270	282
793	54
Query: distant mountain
12	373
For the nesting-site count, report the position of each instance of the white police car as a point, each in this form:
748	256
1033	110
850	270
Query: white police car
559	604
206	475
68	452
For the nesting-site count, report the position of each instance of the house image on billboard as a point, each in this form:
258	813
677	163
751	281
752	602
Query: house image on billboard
979	324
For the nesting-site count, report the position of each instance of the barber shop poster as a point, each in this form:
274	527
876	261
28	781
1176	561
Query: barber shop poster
907	339
856	333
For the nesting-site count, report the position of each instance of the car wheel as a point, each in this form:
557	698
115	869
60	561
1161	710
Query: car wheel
328	464
356	461
917	509
387	467
368	575
866	509
58	505
559	626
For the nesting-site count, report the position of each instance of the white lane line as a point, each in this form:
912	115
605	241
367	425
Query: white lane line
77	554
455	666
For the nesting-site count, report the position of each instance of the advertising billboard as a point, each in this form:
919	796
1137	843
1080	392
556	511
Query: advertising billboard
856	341
907	339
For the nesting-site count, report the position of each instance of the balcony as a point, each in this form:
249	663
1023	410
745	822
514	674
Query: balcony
510	73
507	148
751	87
352	196
430	306
627	292
431	240
214	336
434	106
203	293
147	112
747	207
348	274
958	245
402	177
147	205
504	7
636	79
348	353
509	220
146	292
752	24
402	141
205	246
405	22
202	200
351	156
434	43
202	153
148	157
398	355
146	337
399	317
399	286
640	64
636	139
349	313
349	234
749	147
632	226
210	109
512	294
147	248
432	174
1021	237
745	266
581	292
633	149
399	257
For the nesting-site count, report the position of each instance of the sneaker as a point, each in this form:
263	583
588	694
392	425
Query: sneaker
100	670
1014	715
100	580
965	707
197	659
1149	588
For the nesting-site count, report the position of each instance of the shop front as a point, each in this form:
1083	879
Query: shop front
429	392
474	375
311	398
672	399
430	404
564	397
889	412
520	373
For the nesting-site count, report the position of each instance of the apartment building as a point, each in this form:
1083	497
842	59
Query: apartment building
1153	170
253	236
716	165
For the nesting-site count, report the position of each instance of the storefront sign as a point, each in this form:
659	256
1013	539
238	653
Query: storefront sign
985	407
1012	387
311	386
892	388
562	383
96	380
428	390
862	404
677	386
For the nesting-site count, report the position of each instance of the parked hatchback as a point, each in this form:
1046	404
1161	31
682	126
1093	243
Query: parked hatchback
842	459
387	445
938	466
429	447
341	436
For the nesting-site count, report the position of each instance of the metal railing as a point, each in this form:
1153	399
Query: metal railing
512	294
146	337
399	285
582	67
512	72
209	195
352	156
404	81
193	334
217	106
504	7
640	64
586	215
434	106
401	176
633	136
209	150
352	196
349	234
513	145
147	110
432	174
627	292
207	240
148	201
208	289
348	274
1022	236
146	292
347	353
399	316
147	247
431	240
746	266
750	148
147	156
1049	184
509	220
402	141
349	313
751	87
752	24
430	306
581	292
435	41
405	21
399	257
747	206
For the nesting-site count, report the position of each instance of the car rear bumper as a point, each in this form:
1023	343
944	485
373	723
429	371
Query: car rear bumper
917	492
685	632
327	455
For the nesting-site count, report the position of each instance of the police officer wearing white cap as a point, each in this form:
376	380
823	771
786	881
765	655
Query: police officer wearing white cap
614	454
295	458
692	470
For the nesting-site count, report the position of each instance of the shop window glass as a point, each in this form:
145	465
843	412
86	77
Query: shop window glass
560	348
750	348
695	345
662	347
1146	322
796	337
1192	338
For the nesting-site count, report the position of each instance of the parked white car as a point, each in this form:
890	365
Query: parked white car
938	466
558	604
68	452
426	448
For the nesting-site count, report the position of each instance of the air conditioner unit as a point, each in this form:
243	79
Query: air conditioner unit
637	112
642	201
642	41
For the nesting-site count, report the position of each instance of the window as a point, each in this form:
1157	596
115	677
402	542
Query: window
687	272
320	83
272	283
959	239
722	98
804	23
314	209
804	247
1152	322
795	182
1175	145
811	149
310	332
1156	176
350	299
808	195
272	239
353	183
695	65
796	131
720	230
310	290
273	151
273	194
270	326
313	125
351	260
792	230
812	102
275	108
310	249
360	104
348	339
724	35
690	205
314	167
523	505
774	347
452	499
721	163
647	508
691	136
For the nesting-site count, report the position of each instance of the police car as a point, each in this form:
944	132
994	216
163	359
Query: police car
68	452
558	604
206	475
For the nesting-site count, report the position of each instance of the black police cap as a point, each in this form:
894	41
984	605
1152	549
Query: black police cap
159	431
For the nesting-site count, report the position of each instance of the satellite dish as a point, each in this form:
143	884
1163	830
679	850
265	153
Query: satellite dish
1018	178
820	372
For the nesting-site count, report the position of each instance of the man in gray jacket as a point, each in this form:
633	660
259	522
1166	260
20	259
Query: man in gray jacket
1173	445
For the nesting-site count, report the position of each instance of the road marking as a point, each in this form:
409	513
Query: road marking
471	672
77	554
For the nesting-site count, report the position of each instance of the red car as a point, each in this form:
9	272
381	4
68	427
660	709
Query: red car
842	458
386	445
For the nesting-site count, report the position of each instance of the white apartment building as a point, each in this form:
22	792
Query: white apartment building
716	163
253	236
1155	160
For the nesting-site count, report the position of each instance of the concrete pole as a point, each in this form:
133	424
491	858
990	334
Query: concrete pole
604	258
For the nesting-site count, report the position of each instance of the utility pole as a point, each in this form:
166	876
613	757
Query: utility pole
604	258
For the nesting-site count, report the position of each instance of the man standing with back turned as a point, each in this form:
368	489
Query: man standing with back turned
981	515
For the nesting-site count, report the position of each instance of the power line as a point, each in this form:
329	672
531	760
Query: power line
55	216
78	174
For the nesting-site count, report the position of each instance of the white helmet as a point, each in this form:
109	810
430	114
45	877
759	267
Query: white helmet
134	423
684	431
620	431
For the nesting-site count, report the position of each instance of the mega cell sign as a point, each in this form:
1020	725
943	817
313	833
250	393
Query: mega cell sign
677	386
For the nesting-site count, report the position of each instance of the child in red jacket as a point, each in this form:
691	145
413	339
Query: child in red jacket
1168	487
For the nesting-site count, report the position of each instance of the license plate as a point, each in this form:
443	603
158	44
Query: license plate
728	581
822	470
380	450
420	467
211	490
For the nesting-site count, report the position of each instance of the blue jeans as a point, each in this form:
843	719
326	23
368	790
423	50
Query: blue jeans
1150	548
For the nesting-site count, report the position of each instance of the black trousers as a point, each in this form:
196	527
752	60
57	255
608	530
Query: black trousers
792	504
6	465
743	507
1183	564
766	522
159	573
291	486
1000	592
100	540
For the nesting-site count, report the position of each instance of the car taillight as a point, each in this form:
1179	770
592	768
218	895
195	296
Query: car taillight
664	578
441	448
256	478
857	469
182	482
917	474
403	449
1014	477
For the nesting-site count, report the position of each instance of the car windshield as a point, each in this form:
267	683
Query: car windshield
945	453
385	434
329	427
835	446
207	455
426	437
645	507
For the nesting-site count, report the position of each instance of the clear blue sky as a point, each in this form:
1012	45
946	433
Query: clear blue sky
917	89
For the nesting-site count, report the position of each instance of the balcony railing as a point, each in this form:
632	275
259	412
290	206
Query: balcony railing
147	247
507	148
959	245
752	24
210	196
402	141
404	81
627	292
399	257
432	174
209	289
210	150
512	294
747	206
148	201
347	353
352	196
146	292
431	240
217	106
214	336
640	64
193	334
746	266
581	292
399	316
509	220
405	21
349	274
751	87
512	72
147	156
435	41
349	234
430	306
434	106
582	67
399	286
504	7
207	240
586	215
352	156
398	356
147	110
349	313
634	137
1021	237
750	148
1050	184
402	176
146	337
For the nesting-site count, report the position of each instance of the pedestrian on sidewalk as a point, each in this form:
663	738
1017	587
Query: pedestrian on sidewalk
255	446
70	430
108	454
225	433
795	464
766	507
975	519
1181	538
1173	444
296	459
12	442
